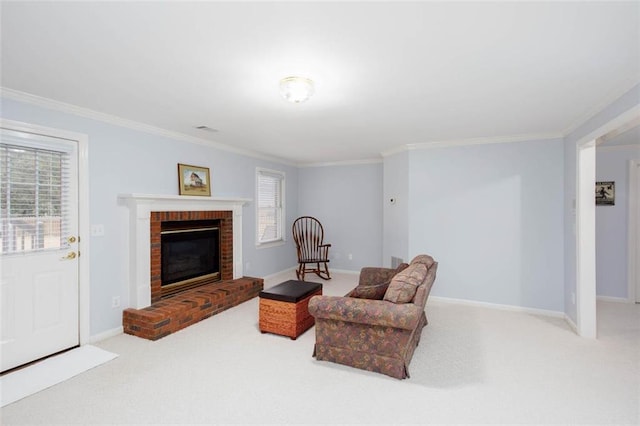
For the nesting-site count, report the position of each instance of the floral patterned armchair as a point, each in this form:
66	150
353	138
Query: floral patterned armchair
377	325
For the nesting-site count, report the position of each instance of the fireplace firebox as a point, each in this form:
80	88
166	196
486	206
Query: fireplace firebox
190	254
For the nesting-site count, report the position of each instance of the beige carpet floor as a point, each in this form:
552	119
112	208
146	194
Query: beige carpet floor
473	365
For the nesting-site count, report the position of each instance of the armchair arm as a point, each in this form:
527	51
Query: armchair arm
366	311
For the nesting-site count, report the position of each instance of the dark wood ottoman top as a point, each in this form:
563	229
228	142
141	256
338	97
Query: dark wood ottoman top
290	291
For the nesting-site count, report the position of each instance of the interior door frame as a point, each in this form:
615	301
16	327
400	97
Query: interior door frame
83	213
585	217
586	240
633	266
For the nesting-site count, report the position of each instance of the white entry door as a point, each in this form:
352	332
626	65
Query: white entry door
38	247
634	267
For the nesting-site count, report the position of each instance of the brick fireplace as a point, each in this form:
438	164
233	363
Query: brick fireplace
146	209
150	315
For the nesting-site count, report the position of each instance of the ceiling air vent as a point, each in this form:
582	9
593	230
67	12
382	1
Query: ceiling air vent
207	129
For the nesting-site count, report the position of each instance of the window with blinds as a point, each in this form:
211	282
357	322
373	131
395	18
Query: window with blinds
33	203
270	190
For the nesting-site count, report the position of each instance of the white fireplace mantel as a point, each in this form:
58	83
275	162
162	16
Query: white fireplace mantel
140	208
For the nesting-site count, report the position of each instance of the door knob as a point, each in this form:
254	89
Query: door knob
69	256
71	240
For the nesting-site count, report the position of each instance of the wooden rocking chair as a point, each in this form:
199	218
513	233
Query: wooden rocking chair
312	253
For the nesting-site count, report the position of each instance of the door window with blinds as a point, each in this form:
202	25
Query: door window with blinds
269	206
32	198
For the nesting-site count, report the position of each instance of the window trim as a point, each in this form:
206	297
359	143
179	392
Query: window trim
283	237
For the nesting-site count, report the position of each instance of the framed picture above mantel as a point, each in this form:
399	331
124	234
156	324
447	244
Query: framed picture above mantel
194	180
605	193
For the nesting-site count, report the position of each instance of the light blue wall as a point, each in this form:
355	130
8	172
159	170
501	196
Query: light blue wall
612	222
122	160
626	102
348	202
492	216
396	214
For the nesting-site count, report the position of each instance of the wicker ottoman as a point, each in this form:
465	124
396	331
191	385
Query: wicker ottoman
283	308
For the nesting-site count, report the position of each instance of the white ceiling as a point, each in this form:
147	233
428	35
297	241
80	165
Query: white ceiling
387	74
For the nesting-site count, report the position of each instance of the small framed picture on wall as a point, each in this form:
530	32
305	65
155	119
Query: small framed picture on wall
194	180
605	193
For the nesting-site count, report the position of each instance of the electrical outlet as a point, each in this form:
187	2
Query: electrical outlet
115	302
350	256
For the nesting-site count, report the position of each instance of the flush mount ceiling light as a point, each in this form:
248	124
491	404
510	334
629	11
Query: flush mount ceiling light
296	89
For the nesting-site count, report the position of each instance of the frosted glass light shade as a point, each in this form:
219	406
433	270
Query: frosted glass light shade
296	89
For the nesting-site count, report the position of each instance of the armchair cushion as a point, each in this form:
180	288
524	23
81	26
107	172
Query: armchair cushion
374	282
403	286
373	276
401	267
374	292
424	259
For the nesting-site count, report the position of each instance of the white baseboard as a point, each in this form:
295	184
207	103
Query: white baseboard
106	334
345	271
572	324
513	308
293	268
275	274
613	299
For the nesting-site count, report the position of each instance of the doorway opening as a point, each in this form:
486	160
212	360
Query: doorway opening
585	218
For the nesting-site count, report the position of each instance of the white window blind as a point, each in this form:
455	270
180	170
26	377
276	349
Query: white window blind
270	186
33	200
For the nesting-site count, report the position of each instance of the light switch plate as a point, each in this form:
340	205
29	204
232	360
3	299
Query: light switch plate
97	230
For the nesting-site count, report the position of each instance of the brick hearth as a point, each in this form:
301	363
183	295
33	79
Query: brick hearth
188	307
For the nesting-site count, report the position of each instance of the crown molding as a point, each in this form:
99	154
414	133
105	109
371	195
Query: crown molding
341	163
472	141
47	103
485	141
396	150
